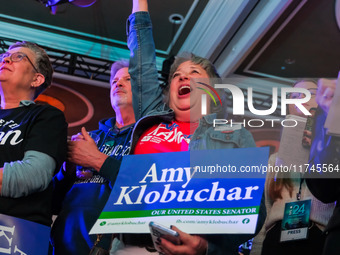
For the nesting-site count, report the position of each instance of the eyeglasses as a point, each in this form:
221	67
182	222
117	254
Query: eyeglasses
16	57
302	95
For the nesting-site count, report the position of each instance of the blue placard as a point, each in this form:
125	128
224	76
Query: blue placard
18	236
170	187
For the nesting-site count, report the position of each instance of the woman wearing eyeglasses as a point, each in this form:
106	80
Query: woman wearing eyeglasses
32	136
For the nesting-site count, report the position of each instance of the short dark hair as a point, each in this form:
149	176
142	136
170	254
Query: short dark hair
203	62
41	62
116	66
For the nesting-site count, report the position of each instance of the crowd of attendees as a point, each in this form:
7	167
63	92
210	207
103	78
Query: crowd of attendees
42	174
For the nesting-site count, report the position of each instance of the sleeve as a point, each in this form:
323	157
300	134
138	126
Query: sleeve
147	94
24	177
223	244
324	150
48	134
62	183
109	169
327	190
228	243
109	165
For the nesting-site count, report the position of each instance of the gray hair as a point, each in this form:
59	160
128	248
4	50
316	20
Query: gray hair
305	80
187	56
116	66
41	61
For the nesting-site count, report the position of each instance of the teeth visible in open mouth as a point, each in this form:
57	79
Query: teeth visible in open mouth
184	90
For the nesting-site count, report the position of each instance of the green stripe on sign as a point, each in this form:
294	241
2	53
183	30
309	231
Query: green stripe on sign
181	212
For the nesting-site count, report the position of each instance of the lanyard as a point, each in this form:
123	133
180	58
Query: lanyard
298	195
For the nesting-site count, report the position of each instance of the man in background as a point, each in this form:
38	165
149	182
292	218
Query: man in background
80	196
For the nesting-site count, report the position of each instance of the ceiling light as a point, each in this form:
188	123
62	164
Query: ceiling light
176	19
53	4
80	3
83	3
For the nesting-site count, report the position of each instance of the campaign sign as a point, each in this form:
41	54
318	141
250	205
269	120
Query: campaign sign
162	187
18	236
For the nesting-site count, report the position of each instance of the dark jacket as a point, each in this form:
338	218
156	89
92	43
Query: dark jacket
79	203
325	185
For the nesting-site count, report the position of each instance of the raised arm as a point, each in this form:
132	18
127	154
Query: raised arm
139	6
147	94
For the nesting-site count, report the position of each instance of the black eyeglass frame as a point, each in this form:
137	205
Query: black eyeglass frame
10	55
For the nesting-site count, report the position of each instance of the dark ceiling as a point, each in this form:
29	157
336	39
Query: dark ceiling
299	39
307	46
105	18
280	40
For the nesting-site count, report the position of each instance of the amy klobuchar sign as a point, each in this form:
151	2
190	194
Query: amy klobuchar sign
193	190
18	236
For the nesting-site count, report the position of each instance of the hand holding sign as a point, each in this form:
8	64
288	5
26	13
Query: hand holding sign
162	189
190	244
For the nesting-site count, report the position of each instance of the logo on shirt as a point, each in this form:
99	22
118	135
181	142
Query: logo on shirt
166	132
11	135
118	150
